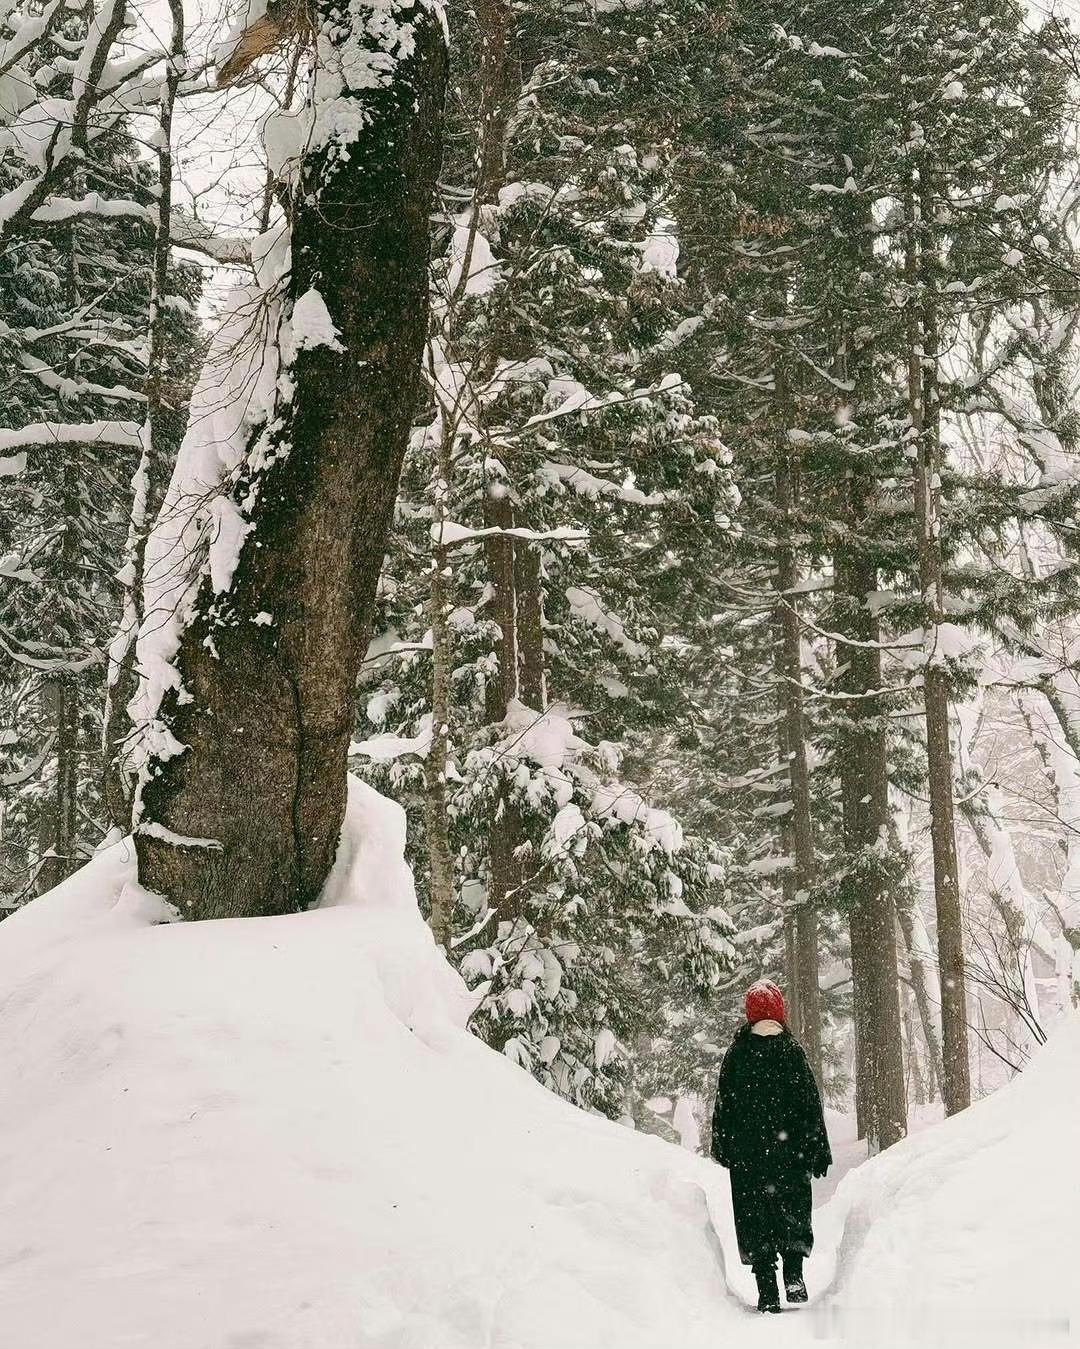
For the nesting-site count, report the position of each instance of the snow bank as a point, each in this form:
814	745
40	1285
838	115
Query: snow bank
276	1134
967	1232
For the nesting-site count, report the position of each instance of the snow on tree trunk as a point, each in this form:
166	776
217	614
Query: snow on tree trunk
243	795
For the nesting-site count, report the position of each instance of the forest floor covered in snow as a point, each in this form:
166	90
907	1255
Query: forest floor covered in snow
277	1134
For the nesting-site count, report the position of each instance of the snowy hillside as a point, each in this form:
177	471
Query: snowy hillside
275	1134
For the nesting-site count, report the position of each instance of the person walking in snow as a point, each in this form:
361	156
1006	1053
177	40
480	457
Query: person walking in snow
768	1129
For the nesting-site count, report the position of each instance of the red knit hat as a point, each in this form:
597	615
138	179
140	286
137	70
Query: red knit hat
764	1002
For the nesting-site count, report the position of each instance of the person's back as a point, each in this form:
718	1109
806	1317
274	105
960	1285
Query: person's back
769	1131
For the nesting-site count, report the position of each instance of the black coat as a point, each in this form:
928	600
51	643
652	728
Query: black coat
769	1131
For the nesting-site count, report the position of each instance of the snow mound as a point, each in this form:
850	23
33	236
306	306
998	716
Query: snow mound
967	1232
277	1134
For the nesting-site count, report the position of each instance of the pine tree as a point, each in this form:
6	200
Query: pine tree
75	287
552	499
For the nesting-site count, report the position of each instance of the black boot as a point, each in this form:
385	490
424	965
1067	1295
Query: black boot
794	1285
768	1299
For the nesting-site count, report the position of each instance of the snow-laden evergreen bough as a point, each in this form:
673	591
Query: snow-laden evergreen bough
77	212
561	500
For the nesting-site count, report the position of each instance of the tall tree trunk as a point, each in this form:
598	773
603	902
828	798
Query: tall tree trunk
61	695
923	412
791	951
914	1069
530	624
500	86
505	826
161	425
791	697
246	819
864	792
65	839
437	815
57	831
788	886
917	971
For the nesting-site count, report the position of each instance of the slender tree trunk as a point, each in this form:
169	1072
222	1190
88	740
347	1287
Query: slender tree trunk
246	820
791	957
61	696
788	884
500	85
924	416
914	1073
917	971
161	426
862	1014
864	791
67	777
802	828
437	817
505	827
57	831
530	624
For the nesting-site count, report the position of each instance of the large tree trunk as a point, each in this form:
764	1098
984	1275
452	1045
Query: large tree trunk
864	792
807	993
246	820
923	413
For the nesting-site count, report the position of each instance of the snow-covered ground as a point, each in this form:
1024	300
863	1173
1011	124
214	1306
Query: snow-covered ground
276	1134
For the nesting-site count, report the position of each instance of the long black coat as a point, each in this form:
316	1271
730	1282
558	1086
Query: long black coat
769	1130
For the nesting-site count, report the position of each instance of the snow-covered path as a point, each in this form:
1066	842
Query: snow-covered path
275	1134
963	1235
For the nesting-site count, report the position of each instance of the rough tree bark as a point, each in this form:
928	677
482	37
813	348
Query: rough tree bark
808	996
922	341
505	827
917	970
787	882
437	819
500	86
914	1082
864	788
528	582
268	709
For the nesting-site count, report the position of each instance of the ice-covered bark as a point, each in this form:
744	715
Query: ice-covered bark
248	717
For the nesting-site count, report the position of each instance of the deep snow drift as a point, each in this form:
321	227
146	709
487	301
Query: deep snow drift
276	1134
